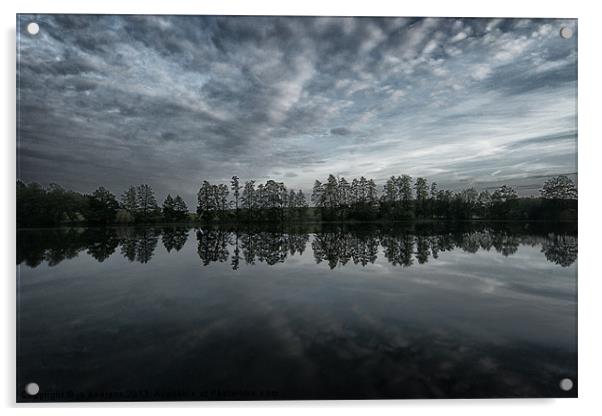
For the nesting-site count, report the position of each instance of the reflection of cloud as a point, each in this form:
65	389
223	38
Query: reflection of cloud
430	331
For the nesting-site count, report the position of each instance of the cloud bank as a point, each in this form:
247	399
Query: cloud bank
174	100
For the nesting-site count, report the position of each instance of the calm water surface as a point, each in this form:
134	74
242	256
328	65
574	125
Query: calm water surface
170	313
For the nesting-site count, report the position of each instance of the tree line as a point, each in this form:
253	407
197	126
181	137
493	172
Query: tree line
336	246
39	206
401	198
271	201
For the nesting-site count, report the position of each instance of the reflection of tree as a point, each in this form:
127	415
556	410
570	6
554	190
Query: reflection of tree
401	247
340	247
560	249
332	248
56	245
297	243
422	249
103	244
174	238
138	244
470	242
271	248
505	243
213	245
236	256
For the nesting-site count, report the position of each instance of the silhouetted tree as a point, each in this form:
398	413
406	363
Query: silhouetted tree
334	199
129	201
168	208
147	204
433	199
422	194
180	209
503	201
560	196
102	207
212	201
48	206
235	186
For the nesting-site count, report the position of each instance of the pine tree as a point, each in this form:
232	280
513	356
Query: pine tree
248	195
331	192
204	198
300	200
129	201
168	208
317	197
180	208
344	192
235	186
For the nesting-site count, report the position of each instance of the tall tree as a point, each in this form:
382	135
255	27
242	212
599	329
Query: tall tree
205	199
404	190
421	188
422	193
235	186
129	201
389	190
300	200
291	200
102	206
404	187
147	204
433	190
221	197
180	208
317	194
503	201
433	199
169	208
344	192
248	195
331	191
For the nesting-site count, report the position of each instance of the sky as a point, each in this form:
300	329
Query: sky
174	100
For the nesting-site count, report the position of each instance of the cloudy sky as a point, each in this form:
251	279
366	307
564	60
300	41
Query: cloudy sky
174	100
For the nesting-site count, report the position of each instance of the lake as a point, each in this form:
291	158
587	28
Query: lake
303	312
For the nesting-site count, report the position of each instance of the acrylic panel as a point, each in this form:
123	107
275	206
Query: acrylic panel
290	208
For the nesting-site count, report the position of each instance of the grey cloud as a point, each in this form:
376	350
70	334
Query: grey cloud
340	131
172	100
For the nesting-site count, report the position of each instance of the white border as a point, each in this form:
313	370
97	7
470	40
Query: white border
590	187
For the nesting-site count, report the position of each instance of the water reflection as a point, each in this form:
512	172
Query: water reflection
482	310
333	245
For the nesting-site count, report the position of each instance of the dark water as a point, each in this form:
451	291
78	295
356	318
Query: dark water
168	313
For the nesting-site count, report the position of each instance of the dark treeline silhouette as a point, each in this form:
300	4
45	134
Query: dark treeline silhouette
403	198
337	245
39	206
336	199
268	202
